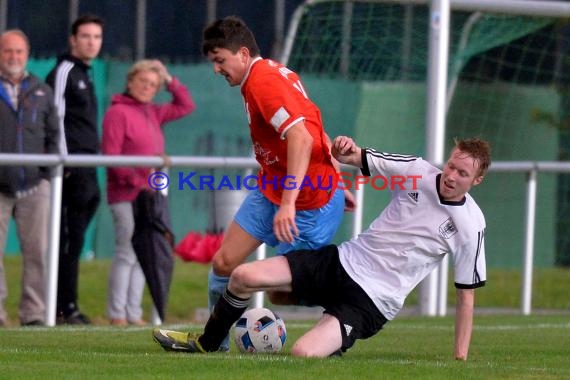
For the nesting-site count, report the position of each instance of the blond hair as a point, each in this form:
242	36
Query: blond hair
145	65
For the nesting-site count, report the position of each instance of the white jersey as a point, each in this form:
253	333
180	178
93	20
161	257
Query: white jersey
413	233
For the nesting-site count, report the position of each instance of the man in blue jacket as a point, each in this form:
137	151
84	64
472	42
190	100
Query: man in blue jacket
28	125
77	106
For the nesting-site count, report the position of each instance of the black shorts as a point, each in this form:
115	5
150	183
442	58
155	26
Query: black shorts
318	278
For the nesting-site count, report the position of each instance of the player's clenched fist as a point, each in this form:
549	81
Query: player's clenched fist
345	150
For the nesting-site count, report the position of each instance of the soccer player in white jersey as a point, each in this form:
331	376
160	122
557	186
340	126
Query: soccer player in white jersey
362	283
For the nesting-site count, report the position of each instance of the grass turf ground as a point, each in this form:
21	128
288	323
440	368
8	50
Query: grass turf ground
503	347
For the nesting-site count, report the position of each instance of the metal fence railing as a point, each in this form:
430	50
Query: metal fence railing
57	162
531	168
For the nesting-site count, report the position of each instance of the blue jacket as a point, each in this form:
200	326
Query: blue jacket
32	127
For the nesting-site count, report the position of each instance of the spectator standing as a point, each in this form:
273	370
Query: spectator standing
71	80
28	125
133	126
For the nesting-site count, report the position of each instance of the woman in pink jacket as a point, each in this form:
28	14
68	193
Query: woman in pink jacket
133	126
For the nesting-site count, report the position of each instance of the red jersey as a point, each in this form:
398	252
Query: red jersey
275	100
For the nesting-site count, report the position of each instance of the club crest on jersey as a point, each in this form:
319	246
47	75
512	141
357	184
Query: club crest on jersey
447	229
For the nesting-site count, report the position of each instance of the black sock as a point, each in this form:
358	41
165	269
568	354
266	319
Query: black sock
226	312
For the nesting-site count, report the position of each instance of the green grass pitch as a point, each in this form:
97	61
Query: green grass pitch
503	347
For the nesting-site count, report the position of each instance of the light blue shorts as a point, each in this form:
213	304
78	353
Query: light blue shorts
316	227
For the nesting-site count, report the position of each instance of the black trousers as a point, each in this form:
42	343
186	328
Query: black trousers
80	198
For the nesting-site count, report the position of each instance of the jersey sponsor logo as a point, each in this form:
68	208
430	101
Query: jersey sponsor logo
279	118
414	196
447	229
348	329
264	156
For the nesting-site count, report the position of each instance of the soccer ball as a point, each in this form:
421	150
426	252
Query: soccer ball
260	330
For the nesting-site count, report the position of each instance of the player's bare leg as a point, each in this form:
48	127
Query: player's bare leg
269	275
237	245
321	341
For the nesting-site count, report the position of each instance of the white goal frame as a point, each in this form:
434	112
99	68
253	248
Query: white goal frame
433	290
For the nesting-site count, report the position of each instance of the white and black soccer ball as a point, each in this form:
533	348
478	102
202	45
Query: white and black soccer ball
259	330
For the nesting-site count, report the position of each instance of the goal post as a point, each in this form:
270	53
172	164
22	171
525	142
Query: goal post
505	61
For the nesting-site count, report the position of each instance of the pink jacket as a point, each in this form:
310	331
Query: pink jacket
134	128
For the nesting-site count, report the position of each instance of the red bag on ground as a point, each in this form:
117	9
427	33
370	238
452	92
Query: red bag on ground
186	246
199	248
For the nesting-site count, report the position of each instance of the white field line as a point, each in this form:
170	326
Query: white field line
302	325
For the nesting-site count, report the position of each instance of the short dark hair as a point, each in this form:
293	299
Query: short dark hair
478	149
229	33
85	19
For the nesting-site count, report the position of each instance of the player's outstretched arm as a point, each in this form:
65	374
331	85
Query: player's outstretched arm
463	322
345	150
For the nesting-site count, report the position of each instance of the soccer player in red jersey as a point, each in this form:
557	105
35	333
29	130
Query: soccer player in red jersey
297	204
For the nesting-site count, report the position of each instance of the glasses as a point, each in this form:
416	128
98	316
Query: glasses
146	82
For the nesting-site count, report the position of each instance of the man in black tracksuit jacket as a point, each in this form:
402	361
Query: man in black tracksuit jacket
77	105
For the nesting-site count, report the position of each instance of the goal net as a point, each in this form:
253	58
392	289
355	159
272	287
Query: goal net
507	81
